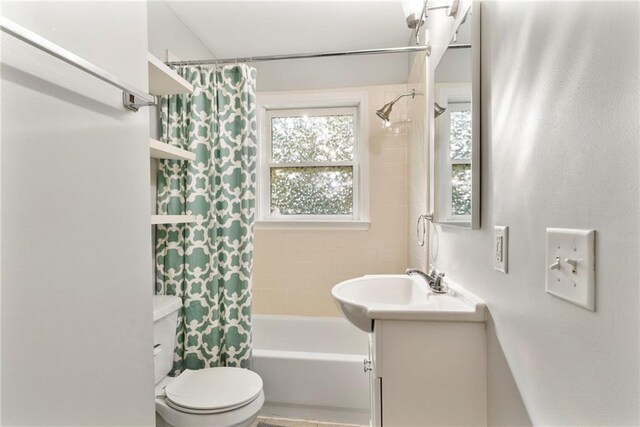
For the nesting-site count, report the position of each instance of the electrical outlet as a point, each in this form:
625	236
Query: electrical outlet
571	267
500	247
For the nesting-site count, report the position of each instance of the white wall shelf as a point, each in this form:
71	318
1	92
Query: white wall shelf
161	150
172	219
164	81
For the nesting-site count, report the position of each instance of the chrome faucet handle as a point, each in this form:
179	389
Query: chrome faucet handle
437	286
433	272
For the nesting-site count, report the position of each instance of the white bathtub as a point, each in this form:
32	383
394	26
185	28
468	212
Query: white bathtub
312	368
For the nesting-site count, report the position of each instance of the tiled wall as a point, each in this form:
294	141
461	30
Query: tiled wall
294	270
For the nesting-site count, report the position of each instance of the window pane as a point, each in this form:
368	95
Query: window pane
312	139
460	135
312	191
461	189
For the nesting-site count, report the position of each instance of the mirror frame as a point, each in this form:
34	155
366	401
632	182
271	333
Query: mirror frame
474	223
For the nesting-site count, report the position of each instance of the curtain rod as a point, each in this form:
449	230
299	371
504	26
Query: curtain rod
406	49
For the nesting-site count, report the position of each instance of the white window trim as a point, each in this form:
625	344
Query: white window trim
314	101
453	98
269	164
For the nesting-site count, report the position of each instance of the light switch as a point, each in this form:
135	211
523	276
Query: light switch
500	247
571	266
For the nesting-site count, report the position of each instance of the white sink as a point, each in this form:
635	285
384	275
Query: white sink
401	297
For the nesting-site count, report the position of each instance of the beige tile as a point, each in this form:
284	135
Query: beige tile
264	307
383	184
270	295
276	281
392	152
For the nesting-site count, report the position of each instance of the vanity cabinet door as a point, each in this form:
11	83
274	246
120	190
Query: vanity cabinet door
375	390
433	373
375	385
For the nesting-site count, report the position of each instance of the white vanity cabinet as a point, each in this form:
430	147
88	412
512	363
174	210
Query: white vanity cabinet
428	373
427	356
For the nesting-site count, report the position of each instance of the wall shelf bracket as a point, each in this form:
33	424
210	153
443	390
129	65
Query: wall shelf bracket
133	103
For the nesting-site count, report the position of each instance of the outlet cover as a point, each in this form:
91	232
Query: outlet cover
571	267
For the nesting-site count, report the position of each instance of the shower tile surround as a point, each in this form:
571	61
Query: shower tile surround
294	270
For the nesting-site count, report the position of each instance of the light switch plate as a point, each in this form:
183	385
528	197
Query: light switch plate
500	247
571	266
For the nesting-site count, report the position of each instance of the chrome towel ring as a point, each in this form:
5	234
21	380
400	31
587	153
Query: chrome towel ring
421	227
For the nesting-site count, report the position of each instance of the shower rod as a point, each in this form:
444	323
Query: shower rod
406	49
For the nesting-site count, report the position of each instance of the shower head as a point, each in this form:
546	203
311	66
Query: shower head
438	110
385	112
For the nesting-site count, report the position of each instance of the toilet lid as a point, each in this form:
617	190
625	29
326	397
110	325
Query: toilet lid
214	389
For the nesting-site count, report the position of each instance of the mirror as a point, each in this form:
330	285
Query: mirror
456	138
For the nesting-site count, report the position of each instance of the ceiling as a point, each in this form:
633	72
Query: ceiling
249	28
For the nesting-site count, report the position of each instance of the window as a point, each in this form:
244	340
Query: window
454	145
312	167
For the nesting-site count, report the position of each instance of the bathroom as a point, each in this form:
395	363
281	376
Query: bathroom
115	111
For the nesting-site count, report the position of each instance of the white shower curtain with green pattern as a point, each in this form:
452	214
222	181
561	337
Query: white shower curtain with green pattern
208	263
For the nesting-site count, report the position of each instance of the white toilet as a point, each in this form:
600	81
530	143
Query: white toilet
212	397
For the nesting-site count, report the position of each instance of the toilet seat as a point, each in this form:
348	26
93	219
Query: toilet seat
213	390
166	416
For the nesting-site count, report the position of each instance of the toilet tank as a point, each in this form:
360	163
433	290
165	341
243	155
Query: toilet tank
165	322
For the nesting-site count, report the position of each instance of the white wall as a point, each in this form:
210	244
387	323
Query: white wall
256	28
560	108
455	66
167	31
331	73
76	307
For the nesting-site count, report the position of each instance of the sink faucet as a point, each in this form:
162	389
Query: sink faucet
434	279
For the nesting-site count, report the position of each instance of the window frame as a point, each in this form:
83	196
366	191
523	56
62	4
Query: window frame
282	105
454	98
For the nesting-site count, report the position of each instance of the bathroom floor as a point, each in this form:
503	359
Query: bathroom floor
288	422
